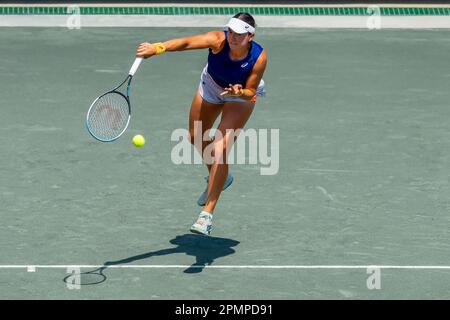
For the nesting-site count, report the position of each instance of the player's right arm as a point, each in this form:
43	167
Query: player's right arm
212	40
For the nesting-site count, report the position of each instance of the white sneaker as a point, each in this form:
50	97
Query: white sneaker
203	225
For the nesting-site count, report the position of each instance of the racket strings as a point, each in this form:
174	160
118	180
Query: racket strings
109	116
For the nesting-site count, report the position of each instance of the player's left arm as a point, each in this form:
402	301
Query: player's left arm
251	85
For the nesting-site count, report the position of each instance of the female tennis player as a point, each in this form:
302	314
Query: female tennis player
229	85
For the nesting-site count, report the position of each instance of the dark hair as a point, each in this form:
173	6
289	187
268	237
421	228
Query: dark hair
246	17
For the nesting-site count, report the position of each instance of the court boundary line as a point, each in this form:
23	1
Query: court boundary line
287	267
218	21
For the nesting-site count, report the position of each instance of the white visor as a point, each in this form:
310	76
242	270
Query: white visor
240	26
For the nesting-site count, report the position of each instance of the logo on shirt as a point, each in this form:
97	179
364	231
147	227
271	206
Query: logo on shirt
244	65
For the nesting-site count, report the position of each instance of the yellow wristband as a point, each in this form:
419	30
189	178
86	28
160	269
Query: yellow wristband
241	92
160	48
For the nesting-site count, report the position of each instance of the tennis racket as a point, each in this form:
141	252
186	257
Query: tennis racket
109	115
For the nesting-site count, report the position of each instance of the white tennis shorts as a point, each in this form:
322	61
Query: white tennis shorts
210	90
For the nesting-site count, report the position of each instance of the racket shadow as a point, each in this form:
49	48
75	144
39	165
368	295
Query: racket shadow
87	278
205	250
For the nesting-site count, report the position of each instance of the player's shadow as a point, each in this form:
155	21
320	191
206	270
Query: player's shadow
205	250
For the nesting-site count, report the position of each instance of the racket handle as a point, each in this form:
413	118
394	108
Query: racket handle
135	66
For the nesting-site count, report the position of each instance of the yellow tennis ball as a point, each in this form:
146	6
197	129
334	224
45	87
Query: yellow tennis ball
138	140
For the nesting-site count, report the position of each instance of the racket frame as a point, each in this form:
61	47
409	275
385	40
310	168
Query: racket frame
127	98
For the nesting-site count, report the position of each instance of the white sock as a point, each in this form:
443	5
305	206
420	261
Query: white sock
207	214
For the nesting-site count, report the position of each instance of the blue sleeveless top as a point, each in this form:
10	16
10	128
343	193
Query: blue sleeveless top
224	71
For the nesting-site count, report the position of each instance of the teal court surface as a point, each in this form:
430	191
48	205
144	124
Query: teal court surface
363	176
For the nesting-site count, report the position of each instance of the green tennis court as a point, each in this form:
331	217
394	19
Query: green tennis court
363	176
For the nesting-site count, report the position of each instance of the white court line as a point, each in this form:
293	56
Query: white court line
287	267
218	21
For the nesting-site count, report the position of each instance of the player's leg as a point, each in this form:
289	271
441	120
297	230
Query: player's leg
203	113
234	116
206	113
